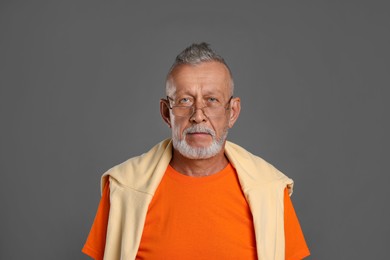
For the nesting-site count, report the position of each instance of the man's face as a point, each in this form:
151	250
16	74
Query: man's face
200	136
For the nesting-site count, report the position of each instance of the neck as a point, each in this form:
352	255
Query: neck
198	167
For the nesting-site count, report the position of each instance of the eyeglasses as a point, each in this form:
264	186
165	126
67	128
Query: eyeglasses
212	107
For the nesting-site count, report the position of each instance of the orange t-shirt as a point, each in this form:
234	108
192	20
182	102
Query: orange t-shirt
199	218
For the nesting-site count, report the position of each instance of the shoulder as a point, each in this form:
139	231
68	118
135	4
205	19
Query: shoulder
137	171
254	170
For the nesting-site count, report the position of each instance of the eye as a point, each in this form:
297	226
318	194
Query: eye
212	100
185	101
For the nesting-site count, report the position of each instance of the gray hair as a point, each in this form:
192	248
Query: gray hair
195	54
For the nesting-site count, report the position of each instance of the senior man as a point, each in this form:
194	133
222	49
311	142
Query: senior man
196	195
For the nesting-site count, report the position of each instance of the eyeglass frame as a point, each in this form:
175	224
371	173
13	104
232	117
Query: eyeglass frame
193	107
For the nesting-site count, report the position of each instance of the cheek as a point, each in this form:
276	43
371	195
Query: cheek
221	125
178	126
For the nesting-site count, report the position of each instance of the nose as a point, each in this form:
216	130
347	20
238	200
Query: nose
198	116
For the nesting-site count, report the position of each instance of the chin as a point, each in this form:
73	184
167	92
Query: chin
194	150
198	152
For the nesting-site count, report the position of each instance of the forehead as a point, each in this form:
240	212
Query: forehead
206	77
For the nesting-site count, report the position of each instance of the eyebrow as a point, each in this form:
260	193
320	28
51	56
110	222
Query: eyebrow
204	93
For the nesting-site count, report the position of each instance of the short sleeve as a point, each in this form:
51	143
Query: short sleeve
96	241
296	247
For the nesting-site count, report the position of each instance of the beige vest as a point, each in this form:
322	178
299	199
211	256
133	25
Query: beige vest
133	183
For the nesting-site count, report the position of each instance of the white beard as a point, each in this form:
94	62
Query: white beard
198	152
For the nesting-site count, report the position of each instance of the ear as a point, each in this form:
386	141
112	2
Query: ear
235	108
164	111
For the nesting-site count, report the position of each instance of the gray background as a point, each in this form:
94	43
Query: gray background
80	88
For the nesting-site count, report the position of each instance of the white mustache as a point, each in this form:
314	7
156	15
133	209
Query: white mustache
199	129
